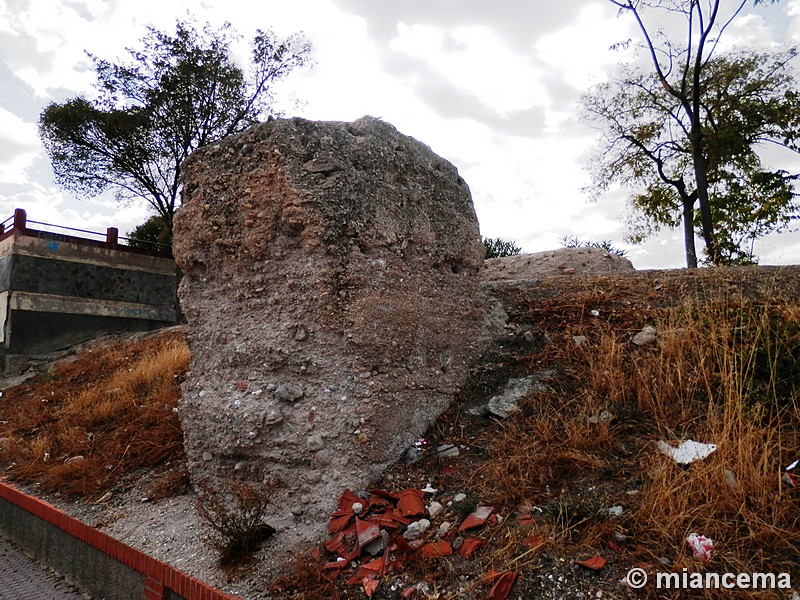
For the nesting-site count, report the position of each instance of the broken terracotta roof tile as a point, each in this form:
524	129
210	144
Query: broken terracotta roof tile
366	531
469	547
411	503
503	584
477	518
378	500
436	549
399	518
335	565
534	541
346	501
409	592
595	563
339	521
369	585
387	520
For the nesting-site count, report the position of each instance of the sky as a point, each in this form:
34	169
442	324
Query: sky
492	86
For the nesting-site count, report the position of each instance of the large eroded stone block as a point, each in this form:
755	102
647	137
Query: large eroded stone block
331	284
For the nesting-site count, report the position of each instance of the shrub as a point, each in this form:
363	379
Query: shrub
497	248
573	242
236	517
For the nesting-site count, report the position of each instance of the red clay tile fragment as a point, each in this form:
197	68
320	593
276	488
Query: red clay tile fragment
595	563
366	531
410	503
370	585
502	587
373	569
534	541
346	501
387	521
526	519
399	518
477	518
436	549
339	521
335	565
378	502
469	546
335	544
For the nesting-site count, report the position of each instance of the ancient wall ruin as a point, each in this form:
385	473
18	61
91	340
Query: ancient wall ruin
331	286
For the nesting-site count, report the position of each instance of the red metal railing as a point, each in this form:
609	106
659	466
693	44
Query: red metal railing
110	239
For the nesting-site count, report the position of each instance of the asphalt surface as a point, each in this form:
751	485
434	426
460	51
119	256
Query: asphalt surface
22	578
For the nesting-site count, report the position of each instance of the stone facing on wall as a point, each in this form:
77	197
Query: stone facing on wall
55	293
331	286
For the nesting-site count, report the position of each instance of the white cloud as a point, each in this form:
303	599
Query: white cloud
474	59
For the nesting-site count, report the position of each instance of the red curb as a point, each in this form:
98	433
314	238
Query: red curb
156	572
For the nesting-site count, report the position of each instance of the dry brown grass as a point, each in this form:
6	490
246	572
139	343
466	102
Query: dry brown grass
723	371
114	407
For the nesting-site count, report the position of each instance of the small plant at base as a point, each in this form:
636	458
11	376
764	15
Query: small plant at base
237	518
498	248
573	242
466	506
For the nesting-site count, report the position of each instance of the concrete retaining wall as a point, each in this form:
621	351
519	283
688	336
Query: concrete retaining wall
59	290
98	564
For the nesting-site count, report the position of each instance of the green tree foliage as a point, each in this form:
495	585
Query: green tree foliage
687	134
177	93
153	234
498	247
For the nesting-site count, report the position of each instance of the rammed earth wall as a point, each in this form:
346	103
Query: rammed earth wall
331	287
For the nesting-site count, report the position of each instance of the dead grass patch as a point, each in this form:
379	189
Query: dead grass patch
724	371
94	420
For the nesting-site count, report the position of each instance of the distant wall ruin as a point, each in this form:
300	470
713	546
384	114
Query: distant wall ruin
331	286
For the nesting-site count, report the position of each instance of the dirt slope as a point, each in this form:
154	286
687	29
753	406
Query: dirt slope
582	442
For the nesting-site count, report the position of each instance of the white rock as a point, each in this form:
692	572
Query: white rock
416	529
435	509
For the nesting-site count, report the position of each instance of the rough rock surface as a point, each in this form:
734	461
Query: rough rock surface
332	290
529	268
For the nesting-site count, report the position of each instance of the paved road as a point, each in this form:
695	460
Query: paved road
22	578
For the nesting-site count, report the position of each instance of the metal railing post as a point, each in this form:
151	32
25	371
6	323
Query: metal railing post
112	237
20	219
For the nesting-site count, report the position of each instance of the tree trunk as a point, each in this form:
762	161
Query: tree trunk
688	233
701	180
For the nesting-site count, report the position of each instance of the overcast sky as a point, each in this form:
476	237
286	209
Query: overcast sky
492	86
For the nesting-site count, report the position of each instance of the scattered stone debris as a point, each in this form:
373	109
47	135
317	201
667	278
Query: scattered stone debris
603	416
514	391
647	335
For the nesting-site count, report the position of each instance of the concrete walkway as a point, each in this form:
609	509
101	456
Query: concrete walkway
22	578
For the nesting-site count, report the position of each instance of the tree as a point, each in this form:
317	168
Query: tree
176	94
688	132
153	234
